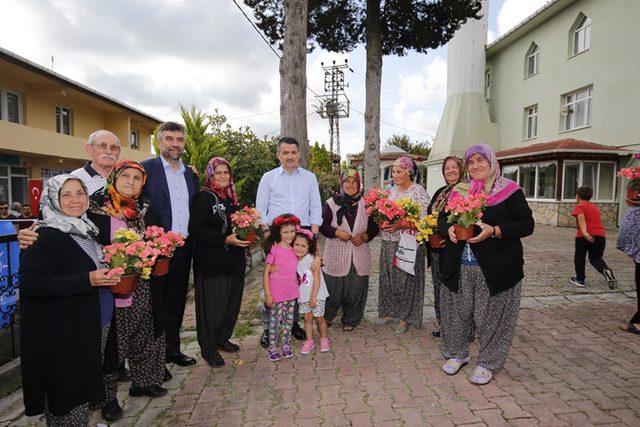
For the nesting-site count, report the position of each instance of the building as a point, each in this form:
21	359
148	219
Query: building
388	155
560	90
45	119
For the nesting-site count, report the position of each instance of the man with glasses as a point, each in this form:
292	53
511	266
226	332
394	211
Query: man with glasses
4	211
103	148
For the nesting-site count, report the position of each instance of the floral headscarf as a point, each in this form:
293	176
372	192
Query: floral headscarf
52	215
409	165
344	200
496	187
228	192
441	200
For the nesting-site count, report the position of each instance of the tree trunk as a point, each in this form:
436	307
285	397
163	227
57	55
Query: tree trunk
293	76
373	86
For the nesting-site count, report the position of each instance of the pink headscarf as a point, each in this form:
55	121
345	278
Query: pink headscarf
496	187
228	192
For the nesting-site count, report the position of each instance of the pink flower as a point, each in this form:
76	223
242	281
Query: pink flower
118	271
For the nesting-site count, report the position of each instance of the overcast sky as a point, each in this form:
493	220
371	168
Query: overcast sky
155	54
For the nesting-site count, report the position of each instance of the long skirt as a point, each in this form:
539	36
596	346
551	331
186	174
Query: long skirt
401	295
436	278
217	307
349	293
495	318
78	416
137	343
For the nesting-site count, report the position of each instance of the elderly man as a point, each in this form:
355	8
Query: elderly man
103	148
289	189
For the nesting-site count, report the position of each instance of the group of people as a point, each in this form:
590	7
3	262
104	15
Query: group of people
20	215
66	300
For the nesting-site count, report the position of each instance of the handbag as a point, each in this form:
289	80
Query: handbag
405	257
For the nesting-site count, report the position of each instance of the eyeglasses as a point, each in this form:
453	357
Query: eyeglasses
4	208
106	147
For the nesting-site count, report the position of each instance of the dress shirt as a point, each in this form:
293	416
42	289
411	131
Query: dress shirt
297	193
179	197
92	179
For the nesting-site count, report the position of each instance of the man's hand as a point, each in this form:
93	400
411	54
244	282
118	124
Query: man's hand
343	235
27	236
194	170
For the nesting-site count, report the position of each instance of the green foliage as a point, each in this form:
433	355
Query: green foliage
321	165
403	141
200	144
319	158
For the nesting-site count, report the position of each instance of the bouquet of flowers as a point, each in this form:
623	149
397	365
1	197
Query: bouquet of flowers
129	254
165	242
383	210
427	226
411	210
246	223
464	212
633	186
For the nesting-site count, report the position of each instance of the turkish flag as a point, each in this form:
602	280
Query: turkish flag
35	191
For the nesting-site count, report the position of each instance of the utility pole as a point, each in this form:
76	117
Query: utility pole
334	104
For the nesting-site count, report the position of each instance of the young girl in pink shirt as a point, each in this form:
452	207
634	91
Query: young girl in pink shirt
281	284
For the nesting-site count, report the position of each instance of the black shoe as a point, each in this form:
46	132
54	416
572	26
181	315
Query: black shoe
167	375
610	278
124	376
436	334
215	360
180	359
264	339
112	411
149	391
298	333
229	347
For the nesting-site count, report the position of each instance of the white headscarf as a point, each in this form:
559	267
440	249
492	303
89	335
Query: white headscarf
52	215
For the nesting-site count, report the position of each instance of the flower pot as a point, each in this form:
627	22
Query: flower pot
161	267
633	197
252	237
436	240
127	284
463	233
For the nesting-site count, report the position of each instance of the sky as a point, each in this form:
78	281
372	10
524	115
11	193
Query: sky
157	54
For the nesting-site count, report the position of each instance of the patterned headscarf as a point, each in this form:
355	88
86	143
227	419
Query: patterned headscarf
344	200
228	192
52	215
109	201
441	200
496	187
409	165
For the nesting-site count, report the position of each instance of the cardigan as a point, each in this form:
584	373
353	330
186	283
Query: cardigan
212	257
59	325
501	259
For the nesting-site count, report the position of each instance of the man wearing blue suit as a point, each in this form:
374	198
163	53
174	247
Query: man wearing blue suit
170	188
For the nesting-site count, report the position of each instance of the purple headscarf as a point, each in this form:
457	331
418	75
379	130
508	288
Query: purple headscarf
408	164
496	187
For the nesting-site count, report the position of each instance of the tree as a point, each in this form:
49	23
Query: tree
403	141
320	164
389	27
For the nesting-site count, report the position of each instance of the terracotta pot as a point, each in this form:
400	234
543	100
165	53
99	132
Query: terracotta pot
463	233
435	240
252	237
633	197
161	267
127	284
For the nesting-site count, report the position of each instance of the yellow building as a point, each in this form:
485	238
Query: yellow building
45	119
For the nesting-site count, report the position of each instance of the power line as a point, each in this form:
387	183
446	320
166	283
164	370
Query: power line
398	126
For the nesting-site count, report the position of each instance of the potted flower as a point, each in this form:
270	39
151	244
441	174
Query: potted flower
633	186
129	257
464	212
383	210
412	211
165	243
427	230
246	223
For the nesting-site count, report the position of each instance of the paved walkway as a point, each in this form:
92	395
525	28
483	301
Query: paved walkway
569	365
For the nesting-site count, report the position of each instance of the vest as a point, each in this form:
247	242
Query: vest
339	255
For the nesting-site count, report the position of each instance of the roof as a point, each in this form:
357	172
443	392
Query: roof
38	69
389	149
568	145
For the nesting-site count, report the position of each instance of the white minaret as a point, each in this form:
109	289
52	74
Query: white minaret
465	120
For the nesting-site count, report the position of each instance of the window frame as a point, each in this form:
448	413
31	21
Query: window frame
4	104
582	24
537	165
566	105
487	84
59	123
596	190
526	134
134	135
532	53
9	175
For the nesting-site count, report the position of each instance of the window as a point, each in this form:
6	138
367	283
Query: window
598	175
580	35
63	120
577	109
133	140
530	122
532	60
13	184
538	180
10	106
487	84
46	173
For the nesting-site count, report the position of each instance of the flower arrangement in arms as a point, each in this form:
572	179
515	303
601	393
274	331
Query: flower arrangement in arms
129	254
165	242
633	186
427	227
383	210
246	223
464	212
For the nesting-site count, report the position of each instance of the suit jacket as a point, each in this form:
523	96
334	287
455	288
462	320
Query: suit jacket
157	191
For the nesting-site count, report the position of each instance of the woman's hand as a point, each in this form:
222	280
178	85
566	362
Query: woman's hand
99	278
343	235
452	234
394	227
313	302
232	239
360	239
27	236
486	232
268	301
441	243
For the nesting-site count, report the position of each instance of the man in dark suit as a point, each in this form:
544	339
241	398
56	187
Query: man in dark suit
170	188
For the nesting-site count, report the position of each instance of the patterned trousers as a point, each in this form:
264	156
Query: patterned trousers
78	416
350	293
436	278
495	319
281	314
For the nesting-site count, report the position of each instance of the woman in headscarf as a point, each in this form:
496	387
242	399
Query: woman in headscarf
60	308
482	277
138	327
219	262
453	171
401	294
347	258
629	243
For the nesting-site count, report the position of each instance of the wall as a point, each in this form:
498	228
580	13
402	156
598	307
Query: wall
559	213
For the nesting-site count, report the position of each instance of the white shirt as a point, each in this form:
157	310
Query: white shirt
92	179
179	197
306	284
